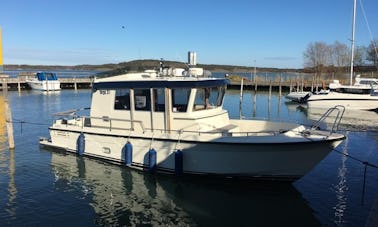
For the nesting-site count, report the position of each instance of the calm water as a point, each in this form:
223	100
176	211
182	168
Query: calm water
59	73
41	187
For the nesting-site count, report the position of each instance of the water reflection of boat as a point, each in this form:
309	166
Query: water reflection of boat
123	197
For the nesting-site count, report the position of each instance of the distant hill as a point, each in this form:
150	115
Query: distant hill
138	65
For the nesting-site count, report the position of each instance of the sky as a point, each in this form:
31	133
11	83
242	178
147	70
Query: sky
261	33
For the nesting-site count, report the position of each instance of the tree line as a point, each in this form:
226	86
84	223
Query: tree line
320	57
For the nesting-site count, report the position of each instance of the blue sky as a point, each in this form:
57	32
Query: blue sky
265	33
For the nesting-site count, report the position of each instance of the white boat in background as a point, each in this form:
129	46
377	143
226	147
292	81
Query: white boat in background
362	95
361	86
298	96
172	121
44	81
349	100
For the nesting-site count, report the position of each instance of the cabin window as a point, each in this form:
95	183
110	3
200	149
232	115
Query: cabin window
180	98
159	99
122	99
219	91
142	99
208	98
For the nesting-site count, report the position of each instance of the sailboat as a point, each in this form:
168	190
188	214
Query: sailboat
362	95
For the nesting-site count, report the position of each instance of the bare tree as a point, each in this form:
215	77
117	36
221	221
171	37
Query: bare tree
317	55
372	52
360	55
340	54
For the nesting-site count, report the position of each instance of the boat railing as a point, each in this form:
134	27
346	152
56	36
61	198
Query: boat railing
114	124
339	109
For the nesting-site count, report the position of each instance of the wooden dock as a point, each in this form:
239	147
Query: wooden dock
86	83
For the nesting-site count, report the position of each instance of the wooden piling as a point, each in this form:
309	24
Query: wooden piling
241	98
280	87
75	84
8	116
19	85
270	89
291	86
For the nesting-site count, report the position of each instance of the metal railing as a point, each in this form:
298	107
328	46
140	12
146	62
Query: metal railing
339	114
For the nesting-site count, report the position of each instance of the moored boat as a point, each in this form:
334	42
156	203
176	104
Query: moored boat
362	95
44	81
298	96
172	121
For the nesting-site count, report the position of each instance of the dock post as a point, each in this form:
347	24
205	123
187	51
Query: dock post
241	98
19	85
270	89
280	87
8	115
75	85
291	86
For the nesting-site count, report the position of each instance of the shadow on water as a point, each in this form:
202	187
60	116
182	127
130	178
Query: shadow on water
120	196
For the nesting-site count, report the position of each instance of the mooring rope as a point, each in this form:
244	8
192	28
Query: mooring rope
21	122
366	164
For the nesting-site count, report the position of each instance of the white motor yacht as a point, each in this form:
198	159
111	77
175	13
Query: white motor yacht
44	81
172	121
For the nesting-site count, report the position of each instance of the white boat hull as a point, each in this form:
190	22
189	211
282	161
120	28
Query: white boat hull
350	101
299	96
224	156
50	85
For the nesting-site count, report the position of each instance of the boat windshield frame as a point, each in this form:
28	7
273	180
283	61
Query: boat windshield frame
161	84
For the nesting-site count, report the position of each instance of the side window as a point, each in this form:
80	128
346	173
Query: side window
142	99
199	101
122	99
208	98
180	99
159	100
219	95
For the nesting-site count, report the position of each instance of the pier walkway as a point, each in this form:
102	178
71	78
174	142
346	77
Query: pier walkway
86	82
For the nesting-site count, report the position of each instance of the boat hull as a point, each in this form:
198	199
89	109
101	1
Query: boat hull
278	160
50	85
299	96
350	101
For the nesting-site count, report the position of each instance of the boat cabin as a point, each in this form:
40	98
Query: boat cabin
166	101
42	76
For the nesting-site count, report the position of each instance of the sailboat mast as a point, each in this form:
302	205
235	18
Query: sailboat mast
352	42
